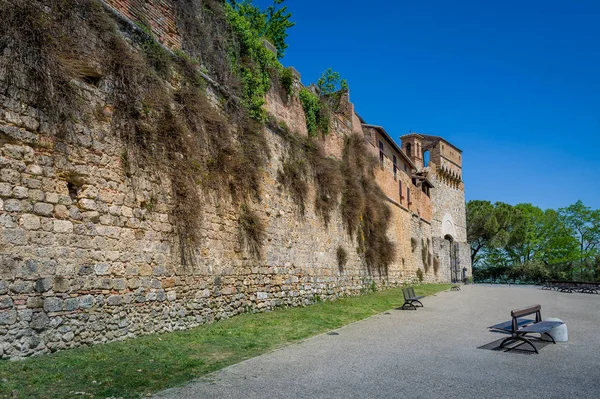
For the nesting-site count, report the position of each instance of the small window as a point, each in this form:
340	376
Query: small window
395	166
400	190
406	168
408	195
408	149
381	154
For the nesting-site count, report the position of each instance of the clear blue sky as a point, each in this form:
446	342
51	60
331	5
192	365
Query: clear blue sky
514	84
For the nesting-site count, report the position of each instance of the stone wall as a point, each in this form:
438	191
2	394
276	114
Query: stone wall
89	253
85	259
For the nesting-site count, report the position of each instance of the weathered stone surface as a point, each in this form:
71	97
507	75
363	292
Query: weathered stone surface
92	253
6	302
44	209
8	317
63	226
30	222
52	304
43	284
40	321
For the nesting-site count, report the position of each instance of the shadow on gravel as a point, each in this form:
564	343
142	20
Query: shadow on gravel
518	347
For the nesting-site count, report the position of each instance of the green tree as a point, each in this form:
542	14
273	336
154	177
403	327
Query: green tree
488	226
330	82
584	224
272	23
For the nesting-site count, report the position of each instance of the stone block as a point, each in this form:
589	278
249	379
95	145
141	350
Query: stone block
8	221
88	204
72	304
43	284
35	302
119	284
20	192
44	209
36	195
21	287
34	170
53	304
6	302
262	295
86	269
8	317
5	190
63	226
86	301
39	321
30	222
52	198
101	269
13	205
61	212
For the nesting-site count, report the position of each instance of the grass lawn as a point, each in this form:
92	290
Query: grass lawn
136	367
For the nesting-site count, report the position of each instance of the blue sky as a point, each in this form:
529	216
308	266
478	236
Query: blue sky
514	84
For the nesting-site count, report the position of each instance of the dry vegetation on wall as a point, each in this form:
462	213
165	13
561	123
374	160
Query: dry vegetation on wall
364	206
348	184
156	102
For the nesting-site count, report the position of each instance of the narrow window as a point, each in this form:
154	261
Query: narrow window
408	149
408	195
395	166
381	154
400	190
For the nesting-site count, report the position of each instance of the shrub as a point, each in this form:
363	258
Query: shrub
312	109
286	79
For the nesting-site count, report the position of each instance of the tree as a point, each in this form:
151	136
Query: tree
584	224
330	82
487	226
271	23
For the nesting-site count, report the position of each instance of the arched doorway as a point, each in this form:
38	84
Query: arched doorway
455	274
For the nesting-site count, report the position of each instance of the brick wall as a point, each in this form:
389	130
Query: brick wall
158	15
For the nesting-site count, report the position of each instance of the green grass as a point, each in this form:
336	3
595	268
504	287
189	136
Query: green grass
136	367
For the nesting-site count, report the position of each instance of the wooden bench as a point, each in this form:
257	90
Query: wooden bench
410	298
519	327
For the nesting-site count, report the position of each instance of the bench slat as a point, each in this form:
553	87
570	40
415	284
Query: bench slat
507	325
540	327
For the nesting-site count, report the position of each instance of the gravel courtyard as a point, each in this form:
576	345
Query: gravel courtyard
435	352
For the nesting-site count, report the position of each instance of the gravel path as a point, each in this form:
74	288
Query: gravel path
430	353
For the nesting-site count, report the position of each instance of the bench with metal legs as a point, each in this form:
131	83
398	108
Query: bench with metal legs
410	299
519	327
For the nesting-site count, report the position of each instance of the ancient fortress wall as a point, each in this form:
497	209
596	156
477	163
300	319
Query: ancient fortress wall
89	251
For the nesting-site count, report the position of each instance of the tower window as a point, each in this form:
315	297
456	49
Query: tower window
408	149
381	154
395	166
